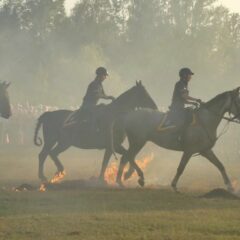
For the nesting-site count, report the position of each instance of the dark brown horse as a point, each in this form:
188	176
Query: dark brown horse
58	139
142	126
5	108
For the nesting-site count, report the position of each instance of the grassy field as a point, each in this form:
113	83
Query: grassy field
116	214
110	213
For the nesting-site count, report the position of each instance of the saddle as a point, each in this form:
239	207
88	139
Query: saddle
169	121
87	118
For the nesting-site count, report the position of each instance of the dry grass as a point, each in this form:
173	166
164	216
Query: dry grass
109	214
116	214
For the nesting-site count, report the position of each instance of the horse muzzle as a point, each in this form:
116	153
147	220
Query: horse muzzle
6	115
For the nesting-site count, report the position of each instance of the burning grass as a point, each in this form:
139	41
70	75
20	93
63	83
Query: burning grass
111	172
110	176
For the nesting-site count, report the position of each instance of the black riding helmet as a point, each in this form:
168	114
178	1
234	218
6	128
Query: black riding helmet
185	71
101	71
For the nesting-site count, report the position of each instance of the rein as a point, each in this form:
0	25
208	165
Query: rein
228	119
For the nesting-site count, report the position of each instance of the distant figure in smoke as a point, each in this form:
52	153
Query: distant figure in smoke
180	116
94	93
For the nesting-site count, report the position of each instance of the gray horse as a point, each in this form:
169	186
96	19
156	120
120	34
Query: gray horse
58	139
5	108
143	125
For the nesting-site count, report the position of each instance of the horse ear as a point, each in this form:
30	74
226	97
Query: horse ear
7	84
238	90
137	83
140	82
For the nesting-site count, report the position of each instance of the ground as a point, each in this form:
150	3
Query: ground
116	214
154	212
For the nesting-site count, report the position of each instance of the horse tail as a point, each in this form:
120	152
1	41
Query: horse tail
37	140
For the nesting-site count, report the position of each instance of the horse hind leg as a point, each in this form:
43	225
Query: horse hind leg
215	161
54	156
42	158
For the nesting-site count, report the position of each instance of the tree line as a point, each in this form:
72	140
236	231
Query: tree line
51	57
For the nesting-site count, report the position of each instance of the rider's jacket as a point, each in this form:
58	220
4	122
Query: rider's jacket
94	92
178	101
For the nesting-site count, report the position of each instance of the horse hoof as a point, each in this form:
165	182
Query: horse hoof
103	182
120	184
175	189
141	182
230	188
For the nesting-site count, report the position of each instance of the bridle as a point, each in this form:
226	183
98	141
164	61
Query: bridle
229	119
234	118
235	104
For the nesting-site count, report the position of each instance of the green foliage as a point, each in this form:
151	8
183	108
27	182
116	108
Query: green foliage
136	39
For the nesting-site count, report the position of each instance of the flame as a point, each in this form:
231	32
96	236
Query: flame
235	184
42	188
111	171
7	139
58	177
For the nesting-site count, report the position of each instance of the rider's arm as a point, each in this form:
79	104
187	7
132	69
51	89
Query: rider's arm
188	99
101	94
107	97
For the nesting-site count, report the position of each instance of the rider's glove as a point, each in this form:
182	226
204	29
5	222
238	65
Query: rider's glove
199	101
112	98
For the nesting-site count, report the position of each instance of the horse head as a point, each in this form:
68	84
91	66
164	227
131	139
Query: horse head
5	108
135	97
144	100
235	103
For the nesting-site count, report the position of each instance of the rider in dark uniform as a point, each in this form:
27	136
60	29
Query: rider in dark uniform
94	93
95	90
178	114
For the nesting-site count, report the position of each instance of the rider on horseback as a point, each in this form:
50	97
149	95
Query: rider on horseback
94	93
179	115
95	90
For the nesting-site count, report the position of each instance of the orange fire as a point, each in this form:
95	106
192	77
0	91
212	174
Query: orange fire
111	171
42	188
58	177
235	184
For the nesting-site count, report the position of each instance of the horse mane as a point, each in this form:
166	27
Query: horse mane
216	98
123	95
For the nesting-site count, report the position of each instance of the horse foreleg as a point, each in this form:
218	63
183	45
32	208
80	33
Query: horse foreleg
121	150
215	161
139	172
122	164
106	158
130	157
184	160
129	172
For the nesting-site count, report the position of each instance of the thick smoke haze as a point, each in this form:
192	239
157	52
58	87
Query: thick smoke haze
51	57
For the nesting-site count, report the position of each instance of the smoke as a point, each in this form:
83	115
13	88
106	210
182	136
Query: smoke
50	56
